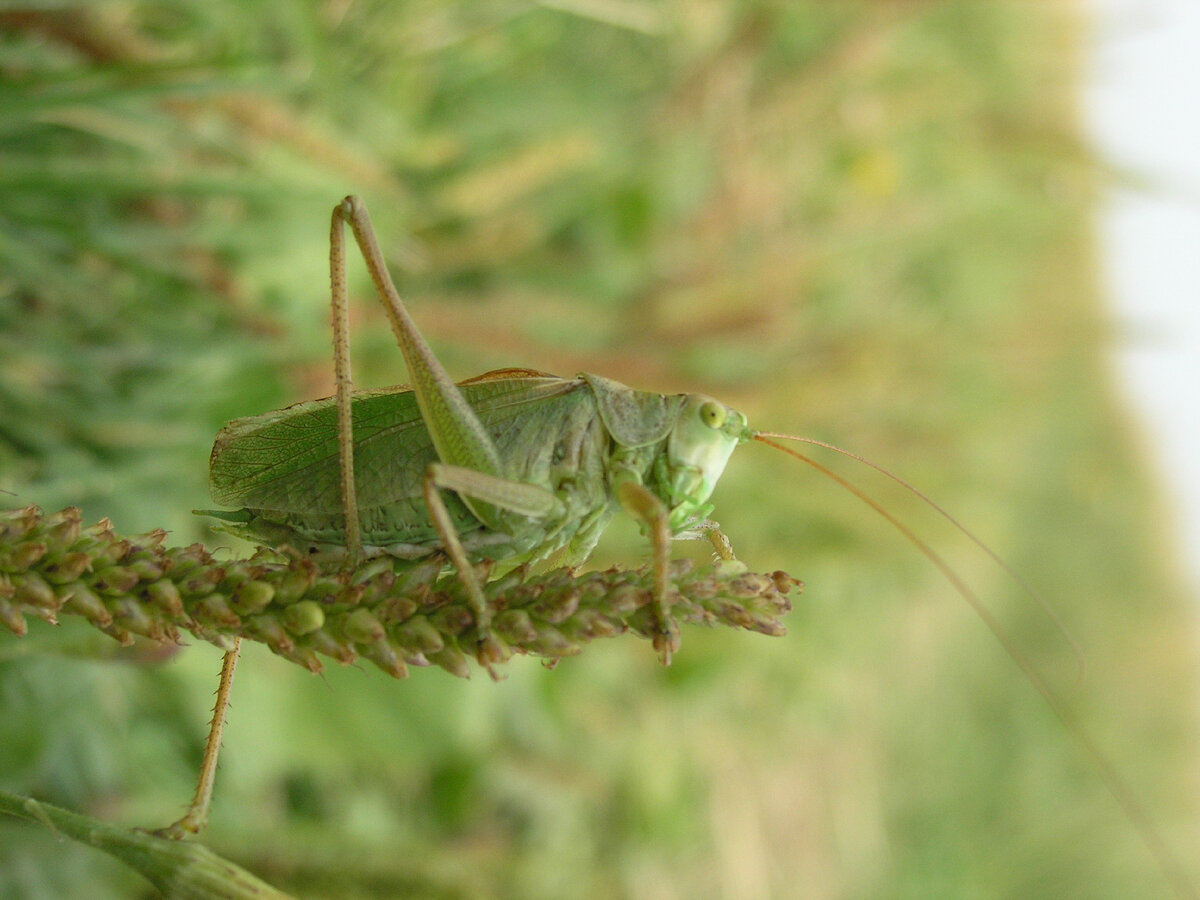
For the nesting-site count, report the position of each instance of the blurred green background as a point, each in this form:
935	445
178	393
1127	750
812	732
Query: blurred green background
867	222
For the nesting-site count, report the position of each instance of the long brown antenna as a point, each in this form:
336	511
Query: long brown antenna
1169	864
1080	659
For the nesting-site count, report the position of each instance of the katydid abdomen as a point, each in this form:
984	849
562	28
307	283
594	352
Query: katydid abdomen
283	469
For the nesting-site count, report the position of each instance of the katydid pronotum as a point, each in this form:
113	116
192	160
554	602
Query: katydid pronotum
511	467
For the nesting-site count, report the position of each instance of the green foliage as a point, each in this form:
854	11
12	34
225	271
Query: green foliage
868	222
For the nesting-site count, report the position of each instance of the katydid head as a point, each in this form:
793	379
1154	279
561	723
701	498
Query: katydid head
698	447
696	435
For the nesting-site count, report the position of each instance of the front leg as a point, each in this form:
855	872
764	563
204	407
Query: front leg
720	542
640	503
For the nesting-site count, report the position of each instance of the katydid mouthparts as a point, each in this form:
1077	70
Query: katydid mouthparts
515	466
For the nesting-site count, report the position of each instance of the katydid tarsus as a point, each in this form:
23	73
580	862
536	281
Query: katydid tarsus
512	467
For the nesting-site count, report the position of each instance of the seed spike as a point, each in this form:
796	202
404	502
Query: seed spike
126	585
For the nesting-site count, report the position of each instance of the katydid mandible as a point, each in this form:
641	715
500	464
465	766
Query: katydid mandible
512	467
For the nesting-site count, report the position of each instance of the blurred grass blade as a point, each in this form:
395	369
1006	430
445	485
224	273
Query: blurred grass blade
181	870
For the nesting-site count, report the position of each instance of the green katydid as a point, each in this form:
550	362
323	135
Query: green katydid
510	467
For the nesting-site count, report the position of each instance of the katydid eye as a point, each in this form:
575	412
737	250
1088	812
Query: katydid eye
712	414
